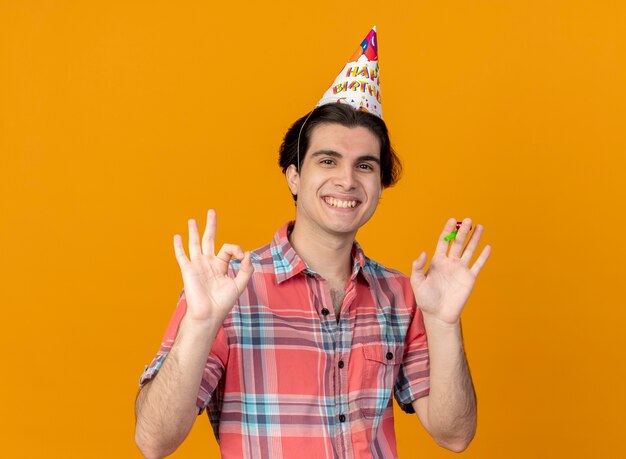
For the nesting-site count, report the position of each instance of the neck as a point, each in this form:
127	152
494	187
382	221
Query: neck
328	255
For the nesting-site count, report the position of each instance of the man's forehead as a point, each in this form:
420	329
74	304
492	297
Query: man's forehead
342	139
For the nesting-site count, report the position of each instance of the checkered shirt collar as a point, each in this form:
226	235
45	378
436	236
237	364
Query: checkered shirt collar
287	263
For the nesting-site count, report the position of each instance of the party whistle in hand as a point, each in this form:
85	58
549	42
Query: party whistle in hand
453	234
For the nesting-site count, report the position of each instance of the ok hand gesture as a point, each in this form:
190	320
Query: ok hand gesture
210	292
444	289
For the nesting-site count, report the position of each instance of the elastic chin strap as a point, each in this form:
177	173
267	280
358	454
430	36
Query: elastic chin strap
298	145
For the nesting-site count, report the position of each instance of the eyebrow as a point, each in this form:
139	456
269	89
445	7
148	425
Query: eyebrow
336	154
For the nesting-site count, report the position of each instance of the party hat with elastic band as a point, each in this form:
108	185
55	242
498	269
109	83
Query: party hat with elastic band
358	83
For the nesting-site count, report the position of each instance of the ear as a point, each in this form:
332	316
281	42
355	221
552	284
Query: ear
293	179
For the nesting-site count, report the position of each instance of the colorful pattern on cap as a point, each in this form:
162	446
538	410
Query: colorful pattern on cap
358	84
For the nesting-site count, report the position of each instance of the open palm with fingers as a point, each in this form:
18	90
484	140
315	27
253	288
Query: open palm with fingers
210	292
443	290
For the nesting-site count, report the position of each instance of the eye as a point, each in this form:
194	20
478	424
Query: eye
366	166
327	162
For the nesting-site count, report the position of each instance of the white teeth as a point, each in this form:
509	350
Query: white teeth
341	204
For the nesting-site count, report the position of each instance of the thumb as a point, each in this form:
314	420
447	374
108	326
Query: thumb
244	274
417	273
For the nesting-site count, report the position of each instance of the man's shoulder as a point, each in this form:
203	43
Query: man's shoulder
260	258
262	252
390	287
377	269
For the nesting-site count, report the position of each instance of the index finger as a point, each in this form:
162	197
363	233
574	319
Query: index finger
442	244
208	238
458	243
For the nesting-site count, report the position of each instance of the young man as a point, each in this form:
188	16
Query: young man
295	349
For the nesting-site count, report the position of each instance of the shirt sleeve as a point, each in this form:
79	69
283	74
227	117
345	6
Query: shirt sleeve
413	379
216	360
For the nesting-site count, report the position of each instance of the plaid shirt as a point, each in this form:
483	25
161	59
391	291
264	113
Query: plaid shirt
284	378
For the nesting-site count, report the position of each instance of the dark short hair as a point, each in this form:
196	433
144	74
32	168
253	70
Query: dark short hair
345	115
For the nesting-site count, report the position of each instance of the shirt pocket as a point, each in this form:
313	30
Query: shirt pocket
381	365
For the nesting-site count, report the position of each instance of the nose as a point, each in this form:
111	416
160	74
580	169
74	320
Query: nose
345	177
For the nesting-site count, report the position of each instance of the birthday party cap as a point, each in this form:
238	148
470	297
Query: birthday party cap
358	83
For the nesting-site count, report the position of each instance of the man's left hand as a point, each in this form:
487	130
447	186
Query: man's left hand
443	290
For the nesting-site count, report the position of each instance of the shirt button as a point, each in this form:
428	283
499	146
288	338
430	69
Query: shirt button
325	312
340	364
389	356
342	418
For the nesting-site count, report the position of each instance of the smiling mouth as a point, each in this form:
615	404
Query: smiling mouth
340	204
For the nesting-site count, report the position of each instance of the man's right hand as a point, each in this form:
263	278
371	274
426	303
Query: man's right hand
166	408
210	292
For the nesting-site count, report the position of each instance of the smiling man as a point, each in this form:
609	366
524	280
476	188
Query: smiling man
298	348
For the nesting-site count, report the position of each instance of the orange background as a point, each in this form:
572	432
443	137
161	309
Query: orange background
121	119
